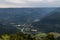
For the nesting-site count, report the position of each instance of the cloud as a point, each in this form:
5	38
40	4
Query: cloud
29	3
16	1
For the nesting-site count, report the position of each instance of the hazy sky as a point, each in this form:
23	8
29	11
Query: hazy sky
29	3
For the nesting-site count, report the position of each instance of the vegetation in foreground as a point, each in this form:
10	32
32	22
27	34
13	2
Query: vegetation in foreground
22	36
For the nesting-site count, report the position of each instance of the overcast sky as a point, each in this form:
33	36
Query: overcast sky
29	3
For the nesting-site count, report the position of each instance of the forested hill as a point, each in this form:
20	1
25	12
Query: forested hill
22	15
50	23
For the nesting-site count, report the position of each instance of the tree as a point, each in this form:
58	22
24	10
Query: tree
5	37
50	37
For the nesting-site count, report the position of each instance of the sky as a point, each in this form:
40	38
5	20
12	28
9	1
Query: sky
29	3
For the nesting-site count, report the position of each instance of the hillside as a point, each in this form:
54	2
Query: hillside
22	15
50	23
7	29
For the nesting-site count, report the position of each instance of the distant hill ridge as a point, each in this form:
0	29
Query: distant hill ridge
50	23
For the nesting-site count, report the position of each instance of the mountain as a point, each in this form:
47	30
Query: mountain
22	15
50	23
14	16
7	29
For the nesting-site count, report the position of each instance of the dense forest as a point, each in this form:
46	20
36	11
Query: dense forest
26	36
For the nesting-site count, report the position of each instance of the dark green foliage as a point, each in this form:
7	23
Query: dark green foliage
22	36
50	37
58	38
